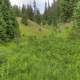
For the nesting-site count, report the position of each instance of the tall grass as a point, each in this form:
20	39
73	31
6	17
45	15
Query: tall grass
38	57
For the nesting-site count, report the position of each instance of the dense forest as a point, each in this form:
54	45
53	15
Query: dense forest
40	46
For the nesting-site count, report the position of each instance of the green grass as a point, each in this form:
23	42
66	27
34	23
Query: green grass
40	55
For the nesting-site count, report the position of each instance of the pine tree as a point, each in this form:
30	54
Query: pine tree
67	7
55	12
30	13
45	16
37	15
17	11
35	7
24	15
8	24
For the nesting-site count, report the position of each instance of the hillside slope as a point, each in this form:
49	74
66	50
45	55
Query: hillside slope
40	55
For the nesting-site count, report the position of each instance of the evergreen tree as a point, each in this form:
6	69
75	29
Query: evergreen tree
45	16
55	12
17	11
35	7
8	24
24	15
76	17
30	13
67	7
37	15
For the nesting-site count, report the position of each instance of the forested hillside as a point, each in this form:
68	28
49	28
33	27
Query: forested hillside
40	46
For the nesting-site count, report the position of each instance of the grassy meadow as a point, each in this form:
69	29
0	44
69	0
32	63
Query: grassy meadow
42	53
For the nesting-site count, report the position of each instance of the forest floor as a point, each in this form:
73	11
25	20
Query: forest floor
41	54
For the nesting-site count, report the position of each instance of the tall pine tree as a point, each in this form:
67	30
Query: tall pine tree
67	7
8	24
24	15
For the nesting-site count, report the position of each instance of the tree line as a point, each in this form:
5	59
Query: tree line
60	10
28	12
